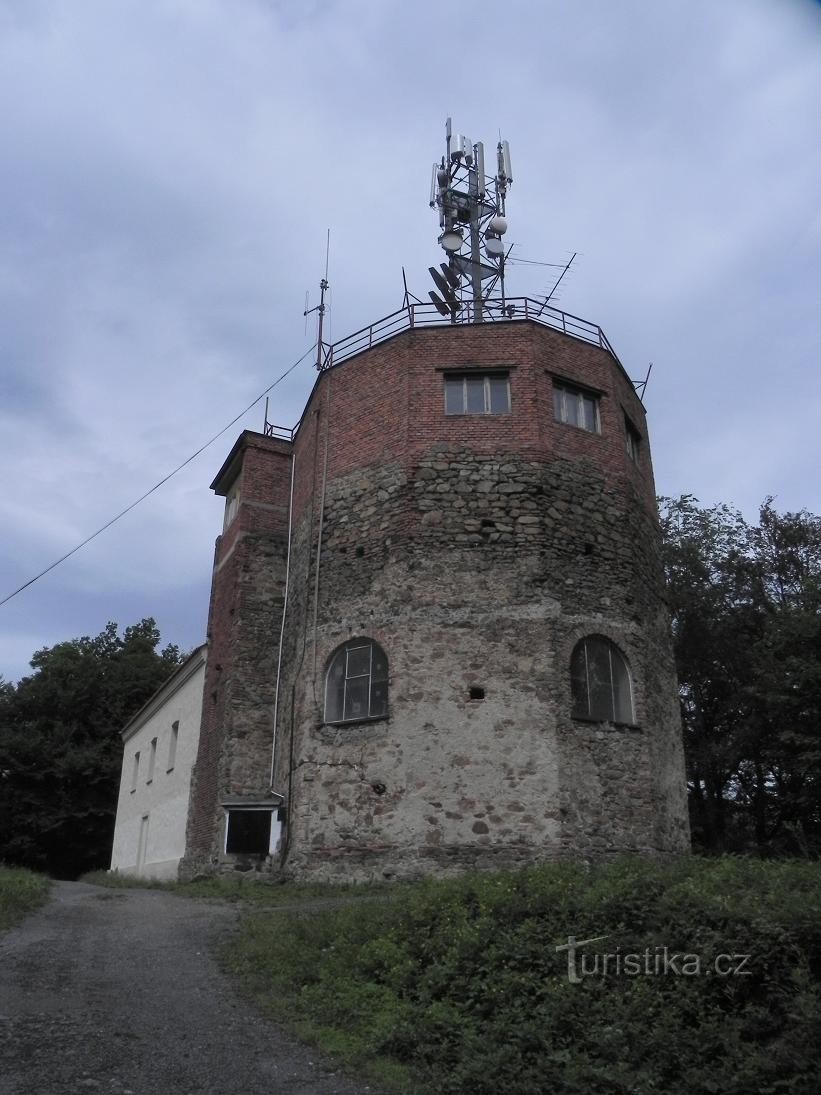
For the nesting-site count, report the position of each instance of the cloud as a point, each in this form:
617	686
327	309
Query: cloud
171	171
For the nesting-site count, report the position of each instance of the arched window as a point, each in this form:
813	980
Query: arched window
356	686
600	682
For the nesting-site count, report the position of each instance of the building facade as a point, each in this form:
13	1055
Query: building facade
437	632
159	749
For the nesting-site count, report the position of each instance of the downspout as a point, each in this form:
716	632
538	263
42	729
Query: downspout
321	522
290	821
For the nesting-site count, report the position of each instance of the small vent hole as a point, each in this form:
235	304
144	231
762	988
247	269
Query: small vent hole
588	549
360	551
378	788
477	693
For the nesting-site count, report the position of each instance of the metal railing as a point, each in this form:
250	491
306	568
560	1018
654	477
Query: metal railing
497	310
285	433
419	314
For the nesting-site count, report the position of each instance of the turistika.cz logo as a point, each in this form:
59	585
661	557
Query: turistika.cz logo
651	962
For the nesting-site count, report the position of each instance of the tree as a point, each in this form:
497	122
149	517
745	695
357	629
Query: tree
746	607
60	747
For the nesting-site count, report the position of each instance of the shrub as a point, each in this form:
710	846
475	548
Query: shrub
21	892
460	980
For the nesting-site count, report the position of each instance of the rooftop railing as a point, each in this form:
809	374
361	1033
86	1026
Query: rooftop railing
417	314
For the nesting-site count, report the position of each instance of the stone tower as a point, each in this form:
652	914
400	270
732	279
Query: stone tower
474	662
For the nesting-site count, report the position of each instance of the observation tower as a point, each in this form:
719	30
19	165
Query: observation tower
437	633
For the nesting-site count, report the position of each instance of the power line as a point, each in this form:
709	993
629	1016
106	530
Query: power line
157	485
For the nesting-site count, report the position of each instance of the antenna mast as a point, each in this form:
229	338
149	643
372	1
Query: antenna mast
472	221
320	308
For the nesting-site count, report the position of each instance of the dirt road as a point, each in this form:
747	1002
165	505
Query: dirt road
115	991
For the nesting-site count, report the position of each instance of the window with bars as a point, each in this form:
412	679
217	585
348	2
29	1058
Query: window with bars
576	407
356	686
477	393
600	682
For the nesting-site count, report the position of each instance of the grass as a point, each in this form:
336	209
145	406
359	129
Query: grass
253	892
456	985
21	892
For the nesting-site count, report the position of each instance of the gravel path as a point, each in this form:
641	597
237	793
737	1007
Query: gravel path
115	991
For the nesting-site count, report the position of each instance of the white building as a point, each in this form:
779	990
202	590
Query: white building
160	748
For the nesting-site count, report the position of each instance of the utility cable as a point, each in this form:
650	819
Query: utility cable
159	484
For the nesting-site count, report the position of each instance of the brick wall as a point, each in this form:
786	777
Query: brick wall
244	621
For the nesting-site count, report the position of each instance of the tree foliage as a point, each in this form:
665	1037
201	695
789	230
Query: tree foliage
746	606
60	746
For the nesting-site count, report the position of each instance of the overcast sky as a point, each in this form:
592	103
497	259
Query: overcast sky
170	168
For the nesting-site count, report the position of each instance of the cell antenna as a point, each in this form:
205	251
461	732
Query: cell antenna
471	207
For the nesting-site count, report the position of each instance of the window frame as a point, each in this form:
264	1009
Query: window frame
152	761
232	503
344	650
233	812
173	742
486	375
564	388
592	713
633	441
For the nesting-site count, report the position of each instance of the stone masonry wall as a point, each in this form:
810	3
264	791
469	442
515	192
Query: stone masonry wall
476	550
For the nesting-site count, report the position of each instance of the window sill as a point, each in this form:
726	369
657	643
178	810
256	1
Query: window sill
357	722
581	429
606	722
477	414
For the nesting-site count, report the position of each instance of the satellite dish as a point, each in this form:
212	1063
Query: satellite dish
451	241
498	225
495	248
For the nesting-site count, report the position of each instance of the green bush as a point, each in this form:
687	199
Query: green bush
21	892
459	983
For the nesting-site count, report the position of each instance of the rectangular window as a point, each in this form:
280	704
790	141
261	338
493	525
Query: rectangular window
633	439
172	745
152	760
576	407
231	505
477	393
135	772
142	844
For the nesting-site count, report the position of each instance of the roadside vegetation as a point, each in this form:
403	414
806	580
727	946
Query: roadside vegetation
456	986
247	889
21	892
61	750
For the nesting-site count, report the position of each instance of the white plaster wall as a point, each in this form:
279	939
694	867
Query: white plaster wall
164	800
